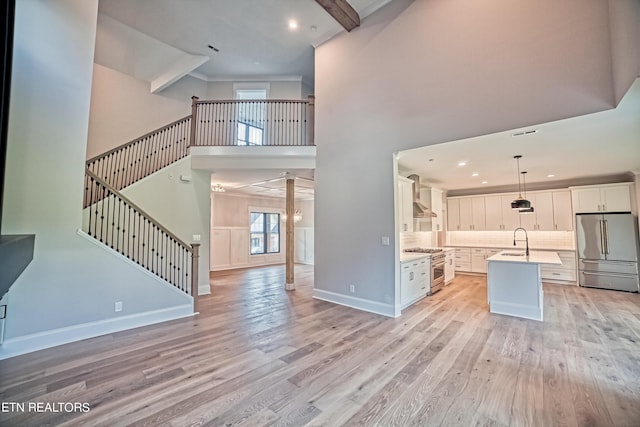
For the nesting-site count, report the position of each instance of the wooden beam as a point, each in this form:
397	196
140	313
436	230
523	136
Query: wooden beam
290	210
342	12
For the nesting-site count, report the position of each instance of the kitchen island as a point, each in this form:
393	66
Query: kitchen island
514	283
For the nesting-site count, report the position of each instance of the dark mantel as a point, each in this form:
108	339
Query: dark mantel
16	252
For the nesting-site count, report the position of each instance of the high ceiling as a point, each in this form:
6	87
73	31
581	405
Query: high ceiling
572	150
252	36
145	38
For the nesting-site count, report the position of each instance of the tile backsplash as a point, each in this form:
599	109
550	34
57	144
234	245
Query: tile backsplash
561	240
420	239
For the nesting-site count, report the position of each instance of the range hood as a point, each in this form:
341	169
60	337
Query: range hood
419	210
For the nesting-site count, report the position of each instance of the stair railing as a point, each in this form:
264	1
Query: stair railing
130	162
271	122
116	221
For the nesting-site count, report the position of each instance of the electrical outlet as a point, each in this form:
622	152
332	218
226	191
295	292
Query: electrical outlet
118	306
352	288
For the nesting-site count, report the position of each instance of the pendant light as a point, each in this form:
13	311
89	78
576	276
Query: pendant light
524	188
520	202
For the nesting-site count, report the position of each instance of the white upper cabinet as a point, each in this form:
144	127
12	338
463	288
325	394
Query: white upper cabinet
499	215
542	216
436	207
471	213
453	214
552	211
405	203
605	198
562	211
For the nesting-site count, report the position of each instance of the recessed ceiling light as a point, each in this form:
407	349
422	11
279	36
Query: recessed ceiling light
293	24
463	163
475	174
485	182
550	175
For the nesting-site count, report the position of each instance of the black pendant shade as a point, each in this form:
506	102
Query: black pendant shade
520	203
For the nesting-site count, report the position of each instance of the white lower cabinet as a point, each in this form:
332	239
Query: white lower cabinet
462	259
567	272
449	265
478	261
415	280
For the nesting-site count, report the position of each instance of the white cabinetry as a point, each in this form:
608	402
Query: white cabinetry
471	213
562	211
542	217
436	207
499	215
479	259
462	259
453	214
449	265
405	203
415	280
604	198
567	272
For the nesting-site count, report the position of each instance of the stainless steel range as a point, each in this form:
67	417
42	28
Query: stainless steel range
437	266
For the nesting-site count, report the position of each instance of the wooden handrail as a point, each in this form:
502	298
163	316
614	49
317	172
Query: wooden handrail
140	210
125	145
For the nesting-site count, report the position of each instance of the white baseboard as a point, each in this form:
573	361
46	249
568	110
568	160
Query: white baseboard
376	307
39	341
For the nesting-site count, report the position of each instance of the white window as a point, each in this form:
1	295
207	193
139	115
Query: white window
251	114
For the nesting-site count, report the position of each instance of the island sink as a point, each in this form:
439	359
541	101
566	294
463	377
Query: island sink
512	253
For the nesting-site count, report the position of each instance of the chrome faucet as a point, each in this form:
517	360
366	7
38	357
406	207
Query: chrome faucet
526	237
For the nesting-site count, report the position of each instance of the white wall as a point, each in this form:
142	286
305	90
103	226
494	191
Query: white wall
122	109
277	89
426	72
183	207
68	291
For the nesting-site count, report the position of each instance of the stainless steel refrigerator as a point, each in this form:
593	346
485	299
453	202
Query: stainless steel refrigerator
607	246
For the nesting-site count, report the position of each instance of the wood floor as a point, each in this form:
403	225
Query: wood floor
258	355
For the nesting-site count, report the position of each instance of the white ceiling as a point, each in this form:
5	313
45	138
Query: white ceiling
265	182
252	35
600	144
143	38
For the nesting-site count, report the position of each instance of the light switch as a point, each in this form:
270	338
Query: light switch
196	237
384	240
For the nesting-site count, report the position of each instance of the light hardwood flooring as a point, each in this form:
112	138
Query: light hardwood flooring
258	355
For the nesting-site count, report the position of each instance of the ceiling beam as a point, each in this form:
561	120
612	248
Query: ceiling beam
342	12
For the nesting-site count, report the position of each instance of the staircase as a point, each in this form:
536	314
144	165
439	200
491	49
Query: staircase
117	222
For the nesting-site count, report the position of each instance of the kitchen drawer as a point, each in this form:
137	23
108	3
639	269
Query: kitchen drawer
465	257
558	274
463	266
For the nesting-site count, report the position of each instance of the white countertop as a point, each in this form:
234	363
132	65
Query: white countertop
535	257
540	248
412	256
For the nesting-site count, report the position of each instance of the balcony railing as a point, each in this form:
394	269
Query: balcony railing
272	122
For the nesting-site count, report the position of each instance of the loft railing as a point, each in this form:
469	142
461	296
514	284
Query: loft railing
130	162
272	122
117	222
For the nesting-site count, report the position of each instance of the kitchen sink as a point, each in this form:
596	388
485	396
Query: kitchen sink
512	254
